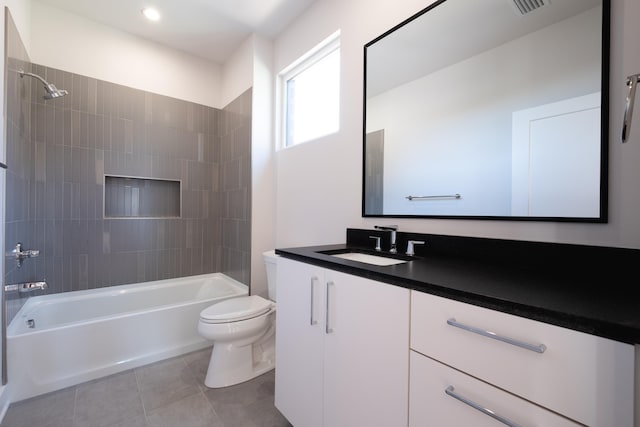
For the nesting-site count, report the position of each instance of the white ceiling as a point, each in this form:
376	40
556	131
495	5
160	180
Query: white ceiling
211	29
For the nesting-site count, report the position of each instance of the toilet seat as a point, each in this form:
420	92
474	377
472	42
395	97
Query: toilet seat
236	309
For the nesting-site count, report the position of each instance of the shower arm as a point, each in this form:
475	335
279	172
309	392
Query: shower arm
52	91
24	73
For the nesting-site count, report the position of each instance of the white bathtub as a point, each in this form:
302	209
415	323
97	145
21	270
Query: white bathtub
83	335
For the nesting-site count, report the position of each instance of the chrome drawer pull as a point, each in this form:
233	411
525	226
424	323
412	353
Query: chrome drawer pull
328	329
312	321
540	348
450	391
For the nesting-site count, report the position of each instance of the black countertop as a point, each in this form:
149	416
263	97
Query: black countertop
577	293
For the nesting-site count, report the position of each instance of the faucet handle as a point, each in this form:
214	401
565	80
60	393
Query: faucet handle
378	248
410	245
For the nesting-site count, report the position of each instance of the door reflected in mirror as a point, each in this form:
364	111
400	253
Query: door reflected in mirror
482	110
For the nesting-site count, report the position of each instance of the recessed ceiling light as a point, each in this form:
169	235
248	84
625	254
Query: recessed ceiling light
151	14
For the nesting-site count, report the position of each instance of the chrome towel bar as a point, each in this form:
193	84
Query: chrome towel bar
445	196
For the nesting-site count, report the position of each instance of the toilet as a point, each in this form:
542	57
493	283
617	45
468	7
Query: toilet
243	333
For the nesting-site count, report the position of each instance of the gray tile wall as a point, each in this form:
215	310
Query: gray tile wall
235	187
56	201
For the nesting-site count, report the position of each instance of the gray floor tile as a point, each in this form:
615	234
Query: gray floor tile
108	401
244	393
50	410
169	393
139	421
198	363
165	382
249	404
192	411
263	413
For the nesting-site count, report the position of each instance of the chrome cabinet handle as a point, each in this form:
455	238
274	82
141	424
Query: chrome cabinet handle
328	329
451	392
540	348
632	82
312	320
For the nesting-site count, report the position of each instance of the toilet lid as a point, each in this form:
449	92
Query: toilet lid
235	309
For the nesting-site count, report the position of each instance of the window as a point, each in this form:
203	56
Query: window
310	94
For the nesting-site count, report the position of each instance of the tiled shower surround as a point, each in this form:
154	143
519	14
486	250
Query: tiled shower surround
59	152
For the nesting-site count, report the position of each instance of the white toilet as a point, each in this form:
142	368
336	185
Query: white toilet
243	333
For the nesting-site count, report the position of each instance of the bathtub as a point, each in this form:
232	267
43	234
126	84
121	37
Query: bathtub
59	340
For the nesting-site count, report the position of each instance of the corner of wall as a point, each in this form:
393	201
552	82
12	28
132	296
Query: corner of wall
263	193
237	72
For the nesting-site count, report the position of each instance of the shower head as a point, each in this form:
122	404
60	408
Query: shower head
51	90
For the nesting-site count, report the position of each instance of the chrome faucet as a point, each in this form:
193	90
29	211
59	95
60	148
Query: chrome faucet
392	229
410	246
26	287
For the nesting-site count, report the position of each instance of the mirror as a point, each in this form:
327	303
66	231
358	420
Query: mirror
480	109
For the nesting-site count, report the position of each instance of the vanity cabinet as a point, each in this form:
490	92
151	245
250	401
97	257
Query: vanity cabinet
342	348
530	372
443	396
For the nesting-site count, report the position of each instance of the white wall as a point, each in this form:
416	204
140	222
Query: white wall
71	43
263	186
237	72
319	183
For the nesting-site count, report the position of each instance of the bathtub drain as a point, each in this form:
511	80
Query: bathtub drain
31	323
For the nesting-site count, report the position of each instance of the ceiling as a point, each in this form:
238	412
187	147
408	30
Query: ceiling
211	29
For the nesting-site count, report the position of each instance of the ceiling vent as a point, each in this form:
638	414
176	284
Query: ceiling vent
523	7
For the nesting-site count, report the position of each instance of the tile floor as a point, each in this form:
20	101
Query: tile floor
169	393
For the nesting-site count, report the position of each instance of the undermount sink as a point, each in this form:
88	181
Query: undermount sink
369	259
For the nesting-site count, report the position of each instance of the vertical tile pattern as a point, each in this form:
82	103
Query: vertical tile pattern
234	126
59	152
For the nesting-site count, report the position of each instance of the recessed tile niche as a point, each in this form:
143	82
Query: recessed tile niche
129	197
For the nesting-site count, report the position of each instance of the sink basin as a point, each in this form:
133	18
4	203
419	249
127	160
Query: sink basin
369	259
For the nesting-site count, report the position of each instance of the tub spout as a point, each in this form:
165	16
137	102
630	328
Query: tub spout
26	287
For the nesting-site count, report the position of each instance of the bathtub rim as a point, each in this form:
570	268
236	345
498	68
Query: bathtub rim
34	302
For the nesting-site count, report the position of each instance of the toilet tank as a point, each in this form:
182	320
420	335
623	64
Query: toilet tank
271	263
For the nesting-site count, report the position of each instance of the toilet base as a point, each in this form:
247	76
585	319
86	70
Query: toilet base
230	365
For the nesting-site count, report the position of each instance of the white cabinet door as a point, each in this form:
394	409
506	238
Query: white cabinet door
299	343
342	349
366	353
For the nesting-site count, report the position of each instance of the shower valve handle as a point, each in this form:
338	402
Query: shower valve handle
20	254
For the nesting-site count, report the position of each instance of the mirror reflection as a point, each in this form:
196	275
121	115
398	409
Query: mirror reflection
480	109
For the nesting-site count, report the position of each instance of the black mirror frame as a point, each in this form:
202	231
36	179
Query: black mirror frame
604	132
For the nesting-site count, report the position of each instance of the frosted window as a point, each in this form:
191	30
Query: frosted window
312	94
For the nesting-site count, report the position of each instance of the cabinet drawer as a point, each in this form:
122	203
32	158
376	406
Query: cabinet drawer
430	405
584	377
